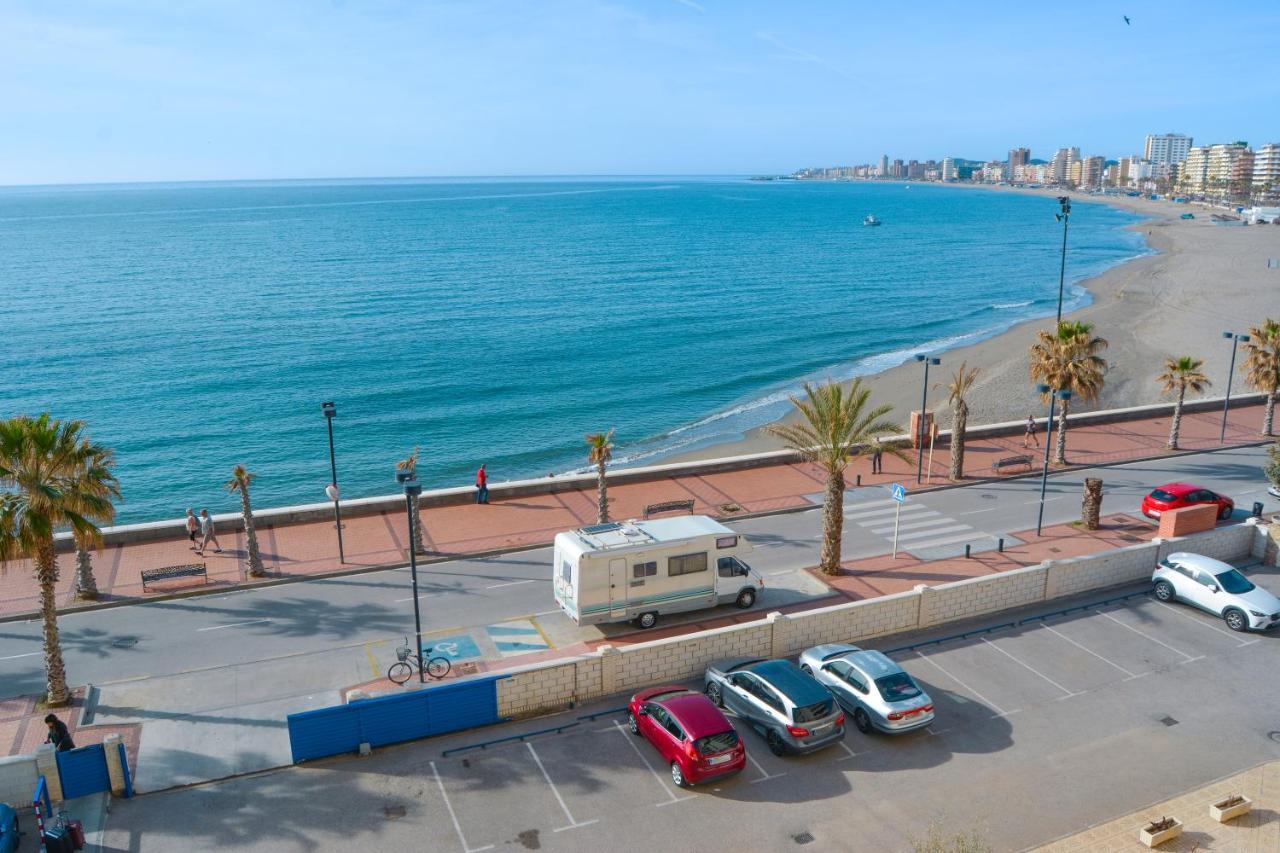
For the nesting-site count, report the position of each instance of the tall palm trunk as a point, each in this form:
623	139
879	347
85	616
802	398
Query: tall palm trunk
959	422
1060	444
86	585
832	523
1176	424
250	534
602	494
55	669
415	504
1269	412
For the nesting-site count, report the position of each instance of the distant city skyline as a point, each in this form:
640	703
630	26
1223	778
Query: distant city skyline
138	90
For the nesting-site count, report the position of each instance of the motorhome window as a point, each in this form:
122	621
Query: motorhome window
566	571
686	564
644	570
727	542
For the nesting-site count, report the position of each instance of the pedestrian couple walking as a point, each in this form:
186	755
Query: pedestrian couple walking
202	526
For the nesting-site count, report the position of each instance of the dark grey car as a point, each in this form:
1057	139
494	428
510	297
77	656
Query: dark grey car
793	711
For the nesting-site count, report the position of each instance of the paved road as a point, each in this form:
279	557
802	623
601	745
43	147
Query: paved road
1041	730
356	621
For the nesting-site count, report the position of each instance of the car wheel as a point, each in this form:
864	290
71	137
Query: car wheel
1164	591
647	620
633	724
862	721
746	599
776	746
1225	513
677	775
1236	620
713	693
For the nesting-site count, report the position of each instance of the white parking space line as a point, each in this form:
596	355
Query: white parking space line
23	655
234	625
1090	651
666	789
1029	668
764	774
509	583
1188	657
1197	620
849	752
457	827
1000	712
410	598
573	824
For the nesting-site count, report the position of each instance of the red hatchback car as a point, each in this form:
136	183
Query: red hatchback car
690	733
1177	495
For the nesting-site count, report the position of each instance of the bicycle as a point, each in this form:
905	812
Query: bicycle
407	662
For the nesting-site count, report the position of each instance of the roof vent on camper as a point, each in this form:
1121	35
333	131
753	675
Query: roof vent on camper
601	528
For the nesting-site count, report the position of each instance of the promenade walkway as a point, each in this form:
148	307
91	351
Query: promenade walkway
305	550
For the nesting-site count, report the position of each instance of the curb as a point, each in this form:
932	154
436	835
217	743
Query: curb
495	552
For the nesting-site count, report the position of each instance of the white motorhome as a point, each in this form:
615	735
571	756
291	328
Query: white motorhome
639	570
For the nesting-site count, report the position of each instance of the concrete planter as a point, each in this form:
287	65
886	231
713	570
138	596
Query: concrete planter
1158	832
1230	808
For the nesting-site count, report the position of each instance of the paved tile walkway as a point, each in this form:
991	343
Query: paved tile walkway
22	727
306	550
1256	832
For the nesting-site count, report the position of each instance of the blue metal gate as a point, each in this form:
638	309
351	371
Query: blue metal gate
392	719
83	771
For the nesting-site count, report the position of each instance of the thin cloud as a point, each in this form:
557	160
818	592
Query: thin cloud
697	7
791	53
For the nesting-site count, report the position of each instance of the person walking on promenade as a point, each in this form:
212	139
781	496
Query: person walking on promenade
1030	434
58	734
877	452
193	528
206	527
482	486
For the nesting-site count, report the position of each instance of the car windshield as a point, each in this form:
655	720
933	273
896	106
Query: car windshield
816	711
897	687
716	743
1234	582
1163	496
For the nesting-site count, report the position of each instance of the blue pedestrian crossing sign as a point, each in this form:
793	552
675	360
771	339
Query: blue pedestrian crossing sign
899	493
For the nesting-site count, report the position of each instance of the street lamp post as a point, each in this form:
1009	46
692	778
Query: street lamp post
1065	218
924	397
412	489
1063	395
331	412
1236	340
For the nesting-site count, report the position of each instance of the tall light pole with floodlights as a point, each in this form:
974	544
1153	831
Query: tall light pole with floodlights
1054	397
1236	339
331	490
924	396
1065	218
412	489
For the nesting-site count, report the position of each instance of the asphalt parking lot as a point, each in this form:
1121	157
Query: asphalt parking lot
1043	727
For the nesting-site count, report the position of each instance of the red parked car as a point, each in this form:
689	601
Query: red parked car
1177	495
690	733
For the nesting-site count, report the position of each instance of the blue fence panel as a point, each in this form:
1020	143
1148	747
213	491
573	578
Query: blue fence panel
83	771
394	719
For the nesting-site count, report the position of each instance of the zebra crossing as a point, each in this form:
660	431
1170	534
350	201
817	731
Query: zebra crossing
919	528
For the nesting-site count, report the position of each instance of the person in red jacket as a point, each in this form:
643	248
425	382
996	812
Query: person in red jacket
482	486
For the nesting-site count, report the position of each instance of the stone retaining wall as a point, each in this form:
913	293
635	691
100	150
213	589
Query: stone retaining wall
556	685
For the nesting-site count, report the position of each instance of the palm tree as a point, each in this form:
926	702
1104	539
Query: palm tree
1262	366
409	464
86	586
1180	374
1068	360
241	478
836	425
51	476
960	385
599	454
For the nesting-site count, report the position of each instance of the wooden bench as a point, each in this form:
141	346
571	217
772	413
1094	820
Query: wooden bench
164	573
1011	462
669	506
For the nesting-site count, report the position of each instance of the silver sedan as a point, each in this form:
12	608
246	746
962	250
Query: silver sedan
878	692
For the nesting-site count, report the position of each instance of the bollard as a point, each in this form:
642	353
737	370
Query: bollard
1000	545
1257	509
859	480
966	551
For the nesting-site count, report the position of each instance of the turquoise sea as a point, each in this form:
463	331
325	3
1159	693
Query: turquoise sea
196	326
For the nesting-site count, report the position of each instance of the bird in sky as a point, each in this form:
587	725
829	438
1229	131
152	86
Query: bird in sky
1126	20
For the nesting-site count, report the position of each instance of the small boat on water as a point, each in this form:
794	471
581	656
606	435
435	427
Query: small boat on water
870	220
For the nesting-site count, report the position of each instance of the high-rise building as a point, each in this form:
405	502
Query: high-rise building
1075	173
948	171
1060	166
1017	157
1266	170
884	166
1166	148
1228	165
897	169
915	170
1091	171
1193	172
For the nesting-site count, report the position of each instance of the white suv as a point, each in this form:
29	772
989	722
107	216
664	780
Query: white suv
1217	587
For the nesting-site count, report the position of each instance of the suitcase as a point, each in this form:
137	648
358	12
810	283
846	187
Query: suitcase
76	830
58	841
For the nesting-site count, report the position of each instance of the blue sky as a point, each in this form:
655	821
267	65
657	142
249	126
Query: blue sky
141	91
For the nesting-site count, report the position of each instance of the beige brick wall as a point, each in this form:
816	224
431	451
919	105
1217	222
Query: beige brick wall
1231	542
975	596
1098	571
849	623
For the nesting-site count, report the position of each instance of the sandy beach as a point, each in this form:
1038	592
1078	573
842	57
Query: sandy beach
1204	279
